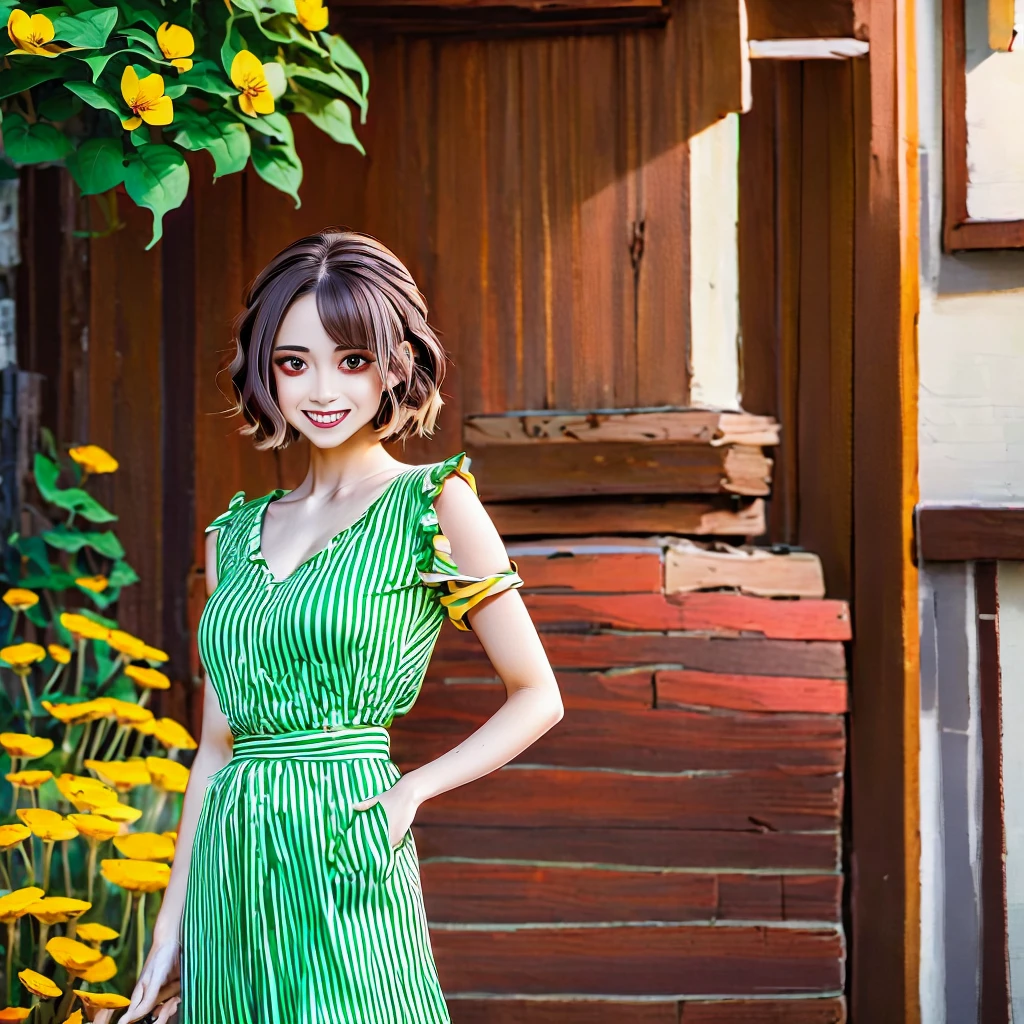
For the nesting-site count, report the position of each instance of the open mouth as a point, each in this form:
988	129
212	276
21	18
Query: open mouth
326	420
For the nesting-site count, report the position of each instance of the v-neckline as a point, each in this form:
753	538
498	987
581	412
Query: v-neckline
256	546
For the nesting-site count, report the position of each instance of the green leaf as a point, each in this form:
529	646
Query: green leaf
97	62
97	97
157	178
8	172
336	80
278	164
122	574
146	39
175	90
233	43
332	116
134	12
33	143
106	543
345	57
59	107
276	125
89	29
97	165
34	549
221	135
139	137
26	73
209	81
72	498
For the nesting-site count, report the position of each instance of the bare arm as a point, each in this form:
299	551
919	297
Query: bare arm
509	638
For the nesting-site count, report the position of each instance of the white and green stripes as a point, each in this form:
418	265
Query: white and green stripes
298	911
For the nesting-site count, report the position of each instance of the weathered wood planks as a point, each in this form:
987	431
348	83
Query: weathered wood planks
678	833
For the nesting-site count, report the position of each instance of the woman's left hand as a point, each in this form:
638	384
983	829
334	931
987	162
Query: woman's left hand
400	808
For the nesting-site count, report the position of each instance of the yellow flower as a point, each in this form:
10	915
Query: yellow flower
170	734
75	957
167	774
75	1018
126	643
120	812
154	654
312	14
32	35
148	678
145	846
19	744
136	875
58	909
171	835
146	98
38	984
122	775
102	970
11	835
14	1013
128	713
93	931
177	45
60	654
93	458
84	711
95	826
82	625
18	599
29	779
50	826
97	584
21	657
15	904
101	1000
85	793
248	77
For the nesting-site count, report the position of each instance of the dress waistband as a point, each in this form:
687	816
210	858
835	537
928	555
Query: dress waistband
339	744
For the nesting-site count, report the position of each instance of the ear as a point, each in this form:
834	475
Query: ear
404	353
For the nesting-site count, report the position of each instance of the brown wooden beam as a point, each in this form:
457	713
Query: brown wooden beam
970	533
485	17
804	19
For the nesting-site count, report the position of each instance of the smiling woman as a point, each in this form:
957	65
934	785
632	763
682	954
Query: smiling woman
295	894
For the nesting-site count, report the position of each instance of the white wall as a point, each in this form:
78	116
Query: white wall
971	331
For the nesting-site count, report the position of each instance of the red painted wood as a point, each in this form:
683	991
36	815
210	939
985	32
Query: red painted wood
637	960
666	739
749	898
459	654
768	1011
646	846
544	1011
812	897
751	693
517	893
785	800
618	572
720	614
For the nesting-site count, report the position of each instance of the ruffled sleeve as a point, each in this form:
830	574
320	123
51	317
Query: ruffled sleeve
226	516
437	568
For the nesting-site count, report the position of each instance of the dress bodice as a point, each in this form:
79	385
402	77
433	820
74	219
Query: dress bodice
345	639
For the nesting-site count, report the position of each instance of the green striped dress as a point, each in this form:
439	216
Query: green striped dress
298	910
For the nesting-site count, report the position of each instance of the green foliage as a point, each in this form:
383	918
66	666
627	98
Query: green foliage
69	97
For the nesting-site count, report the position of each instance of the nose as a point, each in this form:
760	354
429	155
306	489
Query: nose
325	387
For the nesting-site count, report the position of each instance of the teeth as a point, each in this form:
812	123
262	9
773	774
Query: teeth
321	417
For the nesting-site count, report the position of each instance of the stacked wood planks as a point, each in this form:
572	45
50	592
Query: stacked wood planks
673	845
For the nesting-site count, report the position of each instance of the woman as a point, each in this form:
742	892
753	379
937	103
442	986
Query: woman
295	896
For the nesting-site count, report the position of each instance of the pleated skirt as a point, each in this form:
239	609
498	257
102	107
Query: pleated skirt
297	908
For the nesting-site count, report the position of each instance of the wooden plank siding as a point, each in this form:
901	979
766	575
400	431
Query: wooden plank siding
677	833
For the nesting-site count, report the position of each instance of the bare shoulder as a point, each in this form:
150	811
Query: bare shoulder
477	547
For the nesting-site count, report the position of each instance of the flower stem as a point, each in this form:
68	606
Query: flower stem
94	847
28	863
140	938
47	858
66	859
125	922
28	699
41	951
80	664
11	926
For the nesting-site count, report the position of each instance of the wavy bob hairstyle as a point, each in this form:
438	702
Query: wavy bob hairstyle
366	299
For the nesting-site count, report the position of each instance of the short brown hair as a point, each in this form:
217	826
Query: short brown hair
366	298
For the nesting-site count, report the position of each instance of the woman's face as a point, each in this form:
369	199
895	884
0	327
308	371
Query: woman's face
326	393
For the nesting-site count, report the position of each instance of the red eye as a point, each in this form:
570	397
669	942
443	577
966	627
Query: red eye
291	365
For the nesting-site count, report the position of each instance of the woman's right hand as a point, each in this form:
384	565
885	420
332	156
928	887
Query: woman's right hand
158	984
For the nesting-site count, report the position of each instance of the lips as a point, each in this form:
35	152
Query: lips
326	420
